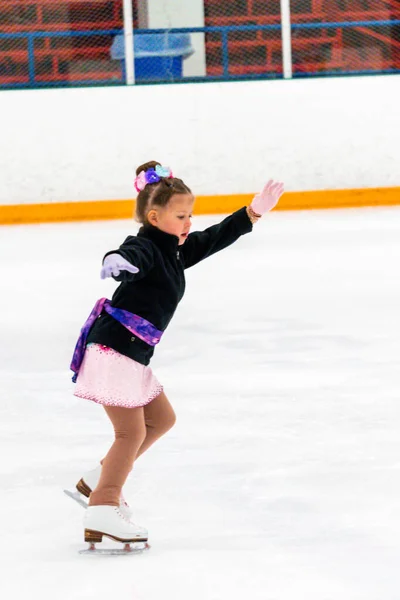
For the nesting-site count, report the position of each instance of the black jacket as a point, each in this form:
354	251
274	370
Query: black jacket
154	292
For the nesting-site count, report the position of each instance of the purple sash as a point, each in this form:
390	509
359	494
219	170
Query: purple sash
140	327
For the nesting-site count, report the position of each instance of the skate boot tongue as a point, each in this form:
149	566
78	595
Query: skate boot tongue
125	508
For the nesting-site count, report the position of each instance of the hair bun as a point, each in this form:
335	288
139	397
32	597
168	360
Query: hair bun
146	166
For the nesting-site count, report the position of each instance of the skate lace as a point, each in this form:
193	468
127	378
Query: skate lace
121	514
128	520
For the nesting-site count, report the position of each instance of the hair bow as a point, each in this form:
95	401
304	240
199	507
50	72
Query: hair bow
151	176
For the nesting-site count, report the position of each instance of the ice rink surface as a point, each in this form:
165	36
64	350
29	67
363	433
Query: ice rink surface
281	478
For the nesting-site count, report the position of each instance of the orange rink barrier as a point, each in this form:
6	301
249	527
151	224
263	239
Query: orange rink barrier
219	204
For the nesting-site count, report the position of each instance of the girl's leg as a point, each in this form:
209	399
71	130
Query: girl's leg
159	417
130	433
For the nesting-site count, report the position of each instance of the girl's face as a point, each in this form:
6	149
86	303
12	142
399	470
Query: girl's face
175	218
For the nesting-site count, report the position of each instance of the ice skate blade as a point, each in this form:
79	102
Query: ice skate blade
127	550
77	497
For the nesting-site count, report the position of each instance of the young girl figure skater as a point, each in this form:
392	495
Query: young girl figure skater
112	356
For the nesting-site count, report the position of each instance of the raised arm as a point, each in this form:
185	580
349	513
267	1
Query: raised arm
201	244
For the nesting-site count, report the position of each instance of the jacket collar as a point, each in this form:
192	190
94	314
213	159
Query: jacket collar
165	241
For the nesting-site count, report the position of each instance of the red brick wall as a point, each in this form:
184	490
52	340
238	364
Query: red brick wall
313	50
56	59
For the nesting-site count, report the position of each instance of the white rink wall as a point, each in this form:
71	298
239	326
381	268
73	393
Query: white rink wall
82	144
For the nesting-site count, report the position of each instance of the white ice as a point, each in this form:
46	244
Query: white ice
281	479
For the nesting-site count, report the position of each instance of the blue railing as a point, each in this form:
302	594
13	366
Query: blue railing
224	31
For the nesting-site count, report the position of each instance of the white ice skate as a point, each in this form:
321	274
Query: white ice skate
84	488
108	521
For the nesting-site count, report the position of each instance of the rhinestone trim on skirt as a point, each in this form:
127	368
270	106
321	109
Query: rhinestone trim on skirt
112	379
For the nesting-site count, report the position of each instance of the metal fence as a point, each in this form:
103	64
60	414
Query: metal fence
104	42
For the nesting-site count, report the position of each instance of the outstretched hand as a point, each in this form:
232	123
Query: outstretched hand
115	263
267	198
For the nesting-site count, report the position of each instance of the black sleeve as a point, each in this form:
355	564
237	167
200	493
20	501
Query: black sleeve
138	253
201	244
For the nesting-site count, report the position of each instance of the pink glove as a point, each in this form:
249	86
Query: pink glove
268	198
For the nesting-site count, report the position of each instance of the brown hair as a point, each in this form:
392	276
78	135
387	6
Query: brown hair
157	194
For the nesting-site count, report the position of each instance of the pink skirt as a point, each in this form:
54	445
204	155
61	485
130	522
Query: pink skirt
110	378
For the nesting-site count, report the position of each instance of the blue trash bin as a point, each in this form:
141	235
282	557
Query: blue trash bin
158	56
